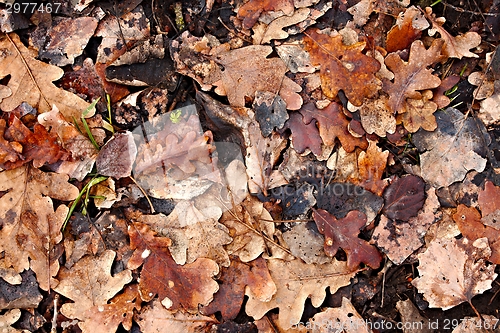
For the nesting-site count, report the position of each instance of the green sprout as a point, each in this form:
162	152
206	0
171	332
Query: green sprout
175	116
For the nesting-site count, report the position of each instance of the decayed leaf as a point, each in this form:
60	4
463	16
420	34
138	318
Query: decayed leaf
304	135
469	222
9	318
38	146
254	276
343	234
295	282
371	167
31	227
397	239
155	318
409	26
343	319
404	198
453	149
489	201
270	111
31	81
332	124
412	75
363	9
343	67
82	150
262	154
250	12
376	117
90	285
410	314
120	310
25	295
265	33
178	287
419	114
117	156
248	226
454	271
454	47
307	244
248	70
10	152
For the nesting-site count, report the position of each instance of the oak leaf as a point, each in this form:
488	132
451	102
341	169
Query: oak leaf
419	114
178	287
344	316
411	76
333	124
31	81
10	152
270	111
155	318
9	318
253	276
404	198
295	282
409	26
454	47
343	67
469	222
31	226
343	234
250	12
454	271
90	285
305	135
376	116
489	201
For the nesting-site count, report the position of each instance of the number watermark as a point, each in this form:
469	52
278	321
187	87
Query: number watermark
32	7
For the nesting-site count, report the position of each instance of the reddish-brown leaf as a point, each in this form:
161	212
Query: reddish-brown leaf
333	124
304	135
39	146
251	11
469	222
343	234
412	75
10	152
404	198
235	279
409	26
178	287
343	67
489	198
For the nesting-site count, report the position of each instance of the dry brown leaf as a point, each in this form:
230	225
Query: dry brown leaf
155	318
343	67
9	318
409	26
31	226
178	287
343	319
297	281
90	285
412	75
371	168
489	112
419	114
275	29
489	201
250	12
362	10
485	87
376	116
454	47
454	271
398	240
31	81
117	156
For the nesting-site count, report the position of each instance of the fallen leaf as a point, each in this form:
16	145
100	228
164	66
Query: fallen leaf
343	234
10	152
376	117
485	87
9	318
295	282
362	10
31	81
275	29
489	113
117	156
307	244
250	12
453	149
31	226
371	168
410	314
409	26
67	39
262	155
343	67
332	124
270	111
454	47
343	319
155	318
178	287
89	284
304	135
235	279
419	114
412	75
469	222
404	198
454	271
439	94
489	201
23	295
398	240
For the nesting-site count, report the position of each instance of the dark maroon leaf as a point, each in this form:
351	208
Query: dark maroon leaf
343	234
404	198
304	135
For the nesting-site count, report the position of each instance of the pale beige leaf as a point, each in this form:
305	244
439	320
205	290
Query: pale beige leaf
9	318
297	281
343	319
275	29
31	81
453	271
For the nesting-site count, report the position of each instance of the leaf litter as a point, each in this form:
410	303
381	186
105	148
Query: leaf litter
288	164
